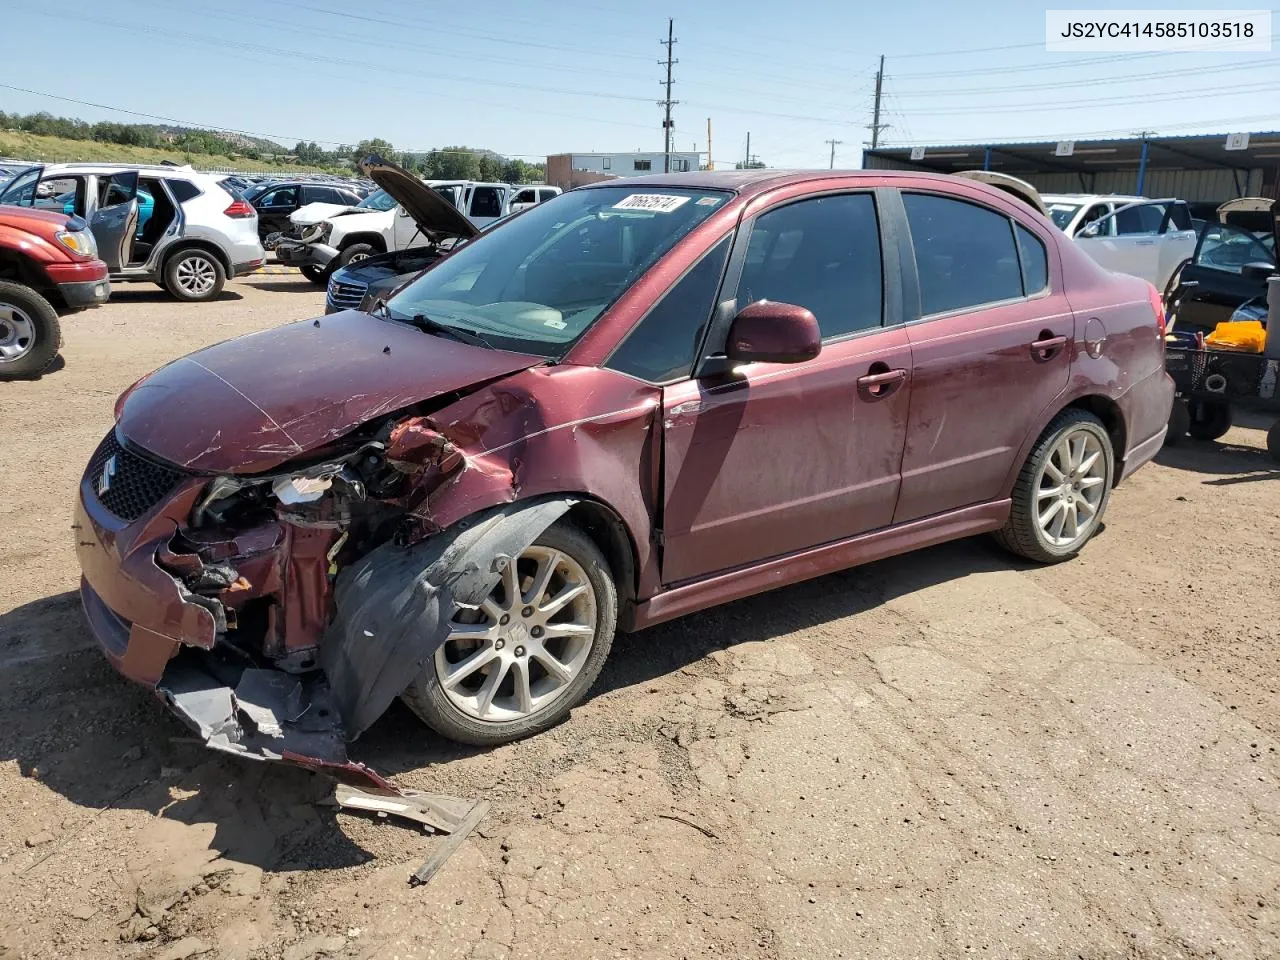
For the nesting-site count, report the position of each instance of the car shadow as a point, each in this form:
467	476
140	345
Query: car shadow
1230	463
70	722
130	293
298	285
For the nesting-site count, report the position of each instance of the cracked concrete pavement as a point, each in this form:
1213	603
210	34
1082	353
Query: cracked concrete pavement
939	755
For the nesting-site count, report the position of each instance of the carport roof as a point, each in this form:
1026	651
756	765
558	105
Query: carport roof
1207	151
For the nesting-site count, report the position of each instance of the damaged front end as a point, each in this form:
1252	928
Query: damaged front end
279	614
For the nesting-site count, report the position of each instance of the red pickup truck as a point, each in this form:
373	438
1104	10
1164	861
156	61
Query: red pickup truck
48	262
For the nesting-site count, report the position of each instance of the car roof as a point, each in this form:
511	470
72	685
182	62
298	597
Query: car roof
750	182
1086	197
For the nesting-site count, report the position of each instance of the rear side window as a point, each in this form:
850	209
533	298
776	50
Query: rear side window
314	194
663	346
1180	218
822	254
547	195
184	190
1034	259
965	254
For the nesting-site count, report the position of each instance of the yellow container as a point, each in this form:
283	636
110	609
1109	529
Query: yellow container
1248	336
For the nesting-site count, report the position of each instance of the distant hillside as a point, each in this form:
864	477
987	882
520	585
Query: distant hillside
29	146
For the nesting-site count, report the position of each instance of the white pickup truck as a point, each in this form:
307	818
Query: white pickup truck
327	236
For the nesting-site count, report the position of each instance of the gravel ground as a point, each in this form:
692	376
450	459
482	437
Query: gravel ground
938	755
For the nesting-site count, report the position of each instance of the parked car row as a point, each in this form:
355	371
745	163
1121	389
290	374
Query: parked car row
325	237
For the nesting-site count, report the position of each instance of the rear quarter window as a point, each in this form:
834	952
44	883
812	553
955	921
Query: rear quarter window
184	190
1034	259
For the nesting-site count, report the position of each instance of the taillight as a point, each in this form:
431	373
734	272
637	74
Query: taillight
1157	307
240	209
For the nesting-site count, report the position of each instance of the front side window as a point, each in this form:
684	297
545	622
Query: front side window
21	191
1061	214
965	254
1141	220
822	254
548	274
527	196
283	197
663	346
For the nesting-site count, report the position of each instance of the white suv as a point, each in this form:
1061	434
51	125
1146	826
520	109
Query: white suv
166	224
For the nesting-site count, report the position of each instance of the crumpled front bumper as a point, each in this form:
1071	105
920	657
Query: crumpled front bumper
294	253
156	632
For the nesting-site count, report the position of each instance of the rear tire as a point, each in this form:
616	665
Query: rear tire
463	715
1273	441
1067	476
317	275
1210	419
30	334
194	275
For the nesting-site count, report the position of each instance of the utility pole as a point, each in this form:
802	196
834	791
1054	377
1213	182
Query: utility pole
746	160
876	125
668	103
833	151
710	165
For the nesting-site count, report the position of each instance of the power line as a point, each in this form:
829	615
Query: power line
1215	125
1194	94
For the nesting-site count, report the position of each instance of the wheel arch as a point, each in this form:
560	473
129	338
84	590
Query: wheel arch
1105	408
206	245
20	268
373	239
609	532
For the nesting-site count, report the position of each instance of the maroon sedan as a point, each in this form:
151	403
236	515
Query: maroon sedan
630	403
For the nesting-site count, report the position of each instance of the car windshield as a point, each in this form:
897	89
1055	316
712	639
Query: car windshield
544	278
378	200
1228	248
1061	213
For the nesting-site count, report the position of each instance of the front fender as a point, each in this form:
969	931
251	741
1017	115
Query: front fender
394	605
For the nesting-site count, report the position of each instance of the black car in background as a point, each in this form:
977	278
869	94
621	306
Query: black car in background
276	200
1234	256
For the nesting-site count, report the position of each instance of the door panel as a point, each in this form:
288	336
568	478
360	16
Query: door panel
1135	242
977	385
116	220
782	458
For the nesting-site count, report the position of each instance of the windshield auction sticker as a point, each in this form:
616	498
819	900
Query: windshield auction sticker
652	202
1200	31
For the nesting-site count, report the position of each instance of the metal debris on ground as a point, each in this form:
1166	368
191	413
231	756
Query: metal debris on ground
436	812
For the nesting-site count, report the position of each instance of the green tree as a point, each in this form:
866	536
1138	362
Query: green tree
375	146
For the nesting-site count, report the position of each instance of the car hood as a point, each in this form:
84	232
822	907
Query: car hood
435	216
315	212
254	403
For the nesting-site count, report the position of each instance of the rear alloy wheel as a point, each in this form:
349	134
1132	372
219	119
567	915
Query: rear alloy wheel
317	275
1062	489
1210	419
194	275
520	663
29	332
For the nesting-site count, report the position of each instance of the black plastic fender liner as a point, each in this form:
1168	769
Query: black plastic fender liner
395	603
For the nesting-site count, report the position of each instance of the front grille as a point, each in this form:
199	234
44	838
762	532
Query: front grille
125	483
346	295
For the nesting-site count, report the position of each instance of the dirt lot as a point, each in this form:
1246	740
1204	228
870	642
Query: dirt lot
942	755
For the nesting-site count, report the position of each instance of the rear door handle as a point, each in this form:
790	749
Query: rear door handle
1046	348
877	386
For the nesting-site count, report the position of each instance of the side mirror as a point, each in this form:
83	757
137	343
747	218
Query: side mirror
1258	272
768	332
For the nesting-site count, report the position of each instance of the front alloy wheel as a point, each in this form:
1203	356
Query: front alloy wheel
529	654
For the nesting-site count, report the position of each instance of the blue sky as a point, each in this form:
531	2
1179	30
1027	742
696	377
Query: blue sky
529	78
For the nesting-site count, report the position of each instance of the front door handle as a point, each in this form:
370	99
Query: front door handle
1047	347
877	386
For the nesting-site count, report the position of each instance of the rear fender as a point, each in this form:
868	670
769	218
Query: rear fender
394	605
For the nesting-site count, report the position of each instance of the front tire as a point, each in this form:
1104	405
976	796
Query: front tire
518	665
354	254
1062	490
317	275
30	334
194	275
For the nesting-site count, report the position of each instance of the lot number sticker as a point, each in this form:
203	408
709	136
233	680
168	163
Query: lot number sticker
653	202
